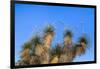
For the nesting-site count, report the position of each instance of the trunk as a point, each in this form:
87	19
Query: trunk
25	53
54	60
79	50
67	40
47	44
45	57
47	40
32	60
67	55
44	62
83	46
39	50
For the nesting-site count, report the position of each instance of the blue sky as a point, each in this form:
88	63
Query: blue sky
32	19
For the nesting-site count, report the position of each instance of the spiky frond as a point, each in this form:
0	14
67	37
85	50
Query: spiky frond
49	29
83	39
36	40
68	33
26	46
79	50
25	50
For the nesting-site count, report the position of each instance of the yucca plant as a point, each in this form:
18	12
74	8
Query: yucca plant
67	51
83	40
38	50
48	36
82	45
37	43
67	37
47	39
25	53
25	49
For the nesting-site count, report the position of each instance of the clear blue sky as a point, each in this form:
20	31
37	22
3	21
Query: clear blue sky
31	20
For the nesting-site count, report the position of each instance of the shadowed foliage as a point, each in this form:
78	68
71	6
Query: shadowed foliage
49	29
25	53
68	33
81	46
83	39
36	40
